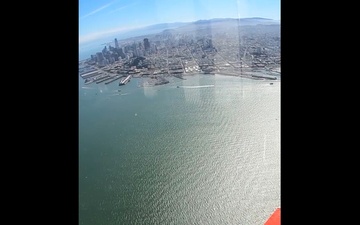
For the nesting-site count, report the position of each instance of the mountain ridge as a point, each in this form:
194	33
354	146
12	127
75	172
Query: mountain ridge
156	28
98	44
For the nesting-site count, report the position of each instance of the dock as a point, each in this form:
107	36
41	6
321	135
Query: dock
89	74
264	77
114	79
104	78
83	72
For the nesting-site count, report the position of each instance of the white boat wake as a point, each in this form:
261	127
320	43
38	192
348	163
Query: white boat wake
119	94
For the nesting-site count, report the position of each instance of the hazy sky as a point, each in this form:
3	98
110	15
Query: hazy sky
98	18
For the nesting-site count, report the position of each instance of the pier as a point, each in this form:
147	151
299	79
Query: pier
89	74
114	79
265	77
104	78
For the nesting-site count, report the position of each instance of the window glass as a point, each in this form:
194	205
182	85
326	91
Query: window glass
179	111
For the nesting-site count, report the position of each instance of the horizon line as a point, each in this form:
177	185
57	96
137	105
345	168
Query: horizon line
106	33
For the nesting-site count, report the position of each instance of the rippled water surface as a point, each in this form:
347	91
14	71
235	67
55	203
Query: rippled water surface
205	150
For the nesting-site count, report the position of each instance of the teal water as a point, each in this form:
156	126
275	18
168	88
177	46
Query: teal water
206	152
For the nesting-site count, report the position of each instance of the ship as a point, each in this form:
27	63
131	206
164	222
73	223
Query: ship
89	80
125	80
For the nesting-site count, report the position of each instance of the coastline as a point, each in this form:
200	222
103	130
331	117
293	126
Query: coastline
160	79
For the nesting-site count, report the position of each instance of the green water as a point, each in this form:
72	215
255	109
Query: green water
206	152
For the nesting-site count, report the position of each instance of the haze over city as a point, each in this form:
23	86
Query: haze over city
101	19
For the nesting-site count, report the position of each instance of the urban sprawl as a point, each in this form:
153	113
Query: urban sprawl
222	48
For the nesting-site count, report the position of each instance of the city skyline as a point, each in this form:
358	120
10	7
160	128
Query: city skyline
103	18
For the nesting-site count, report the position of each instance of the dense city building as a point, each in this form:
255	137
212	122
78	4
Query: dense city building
224	49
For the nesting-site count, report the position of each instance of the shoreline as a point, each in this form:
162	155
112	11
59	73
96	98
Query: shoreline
161	79
262	75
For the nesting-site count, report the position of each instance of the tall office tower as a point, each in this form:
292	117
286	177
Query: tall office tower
100	57
146	44
121	53
104	50
116	43
209	42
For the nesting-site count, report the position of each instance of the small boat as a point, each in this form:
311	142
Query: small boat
88	80
125	80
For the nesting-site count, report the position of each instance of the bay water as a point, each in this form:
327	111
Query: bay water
205	150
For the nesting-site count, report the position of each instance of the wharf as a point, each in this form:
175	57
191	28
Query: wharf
102	79
82	73
114	79
90	74
265	77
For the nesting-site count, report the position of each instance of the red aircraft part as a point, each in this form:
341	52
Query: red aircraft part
274	219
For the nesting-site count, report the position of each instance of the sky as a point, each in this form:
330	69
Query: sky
102	18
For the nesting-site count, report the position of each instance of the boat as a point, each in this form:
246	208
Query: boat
88	80
125	80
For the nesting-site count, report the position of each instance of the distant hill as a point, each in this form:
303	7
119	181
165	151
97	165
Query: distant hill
241	21
196	26
152	29
201	27
199	24
164	26
157	28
